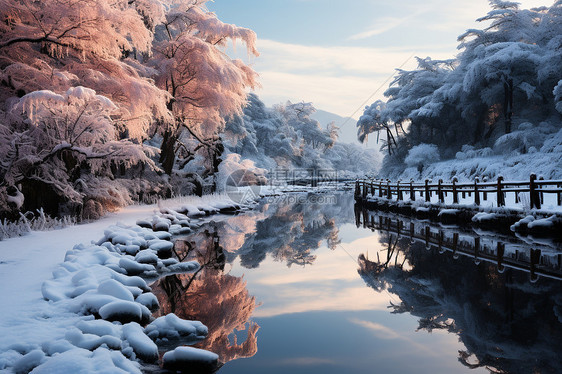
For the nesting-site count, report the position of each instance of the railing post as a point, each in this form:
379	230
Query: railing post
476	248
559	194
455	241
413	193
400	197
476	193
372	188
533	193
364	190
501	197
500	252
380	188
427	199
389	192
542	193
535	259
357	190
455	193
440	191
484	193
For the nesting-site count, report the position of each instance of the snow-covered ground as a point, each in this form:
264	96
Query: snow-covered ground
489	163
97	278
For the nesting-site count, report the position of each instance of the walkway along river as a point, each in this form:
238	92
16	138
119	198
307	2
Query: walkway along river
306	286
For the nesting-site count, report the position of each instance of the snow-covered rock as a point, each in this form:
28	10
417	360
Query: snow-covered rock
545	226
142	345
133	267
171	326
29	361
149	300
116	289
189	359
122	311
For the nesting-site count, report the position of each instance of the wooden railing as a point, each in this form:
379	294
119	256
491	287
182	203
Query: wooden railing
542	260
537	188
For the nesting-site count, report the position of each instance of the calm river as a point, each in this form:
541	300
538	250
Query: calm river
306	284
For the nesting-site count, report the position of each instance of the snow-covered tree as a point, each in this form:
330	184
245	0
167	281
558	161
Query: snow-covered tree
160	63
507	73
286	137
204	84
57	142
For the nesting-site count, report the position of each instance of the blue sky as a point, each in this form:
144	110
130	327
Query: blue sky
336	54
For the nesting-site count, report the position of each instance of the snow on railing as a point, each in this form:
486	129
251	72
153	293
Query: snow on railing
534	189
540	260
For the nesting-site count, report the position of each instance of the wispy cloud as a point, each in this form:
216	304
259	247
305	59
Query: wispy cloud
337	60
380	331
335	78
383	332
385	24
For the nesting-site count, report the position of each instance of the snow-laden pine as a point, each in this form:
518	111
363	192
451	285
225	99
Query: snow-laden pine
499	98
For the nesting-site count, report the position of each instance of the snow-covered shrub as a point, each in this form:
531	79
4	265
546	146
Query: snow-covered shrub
526	136
553	144
422	154
30	221
468	152
236	172
558	96
63	148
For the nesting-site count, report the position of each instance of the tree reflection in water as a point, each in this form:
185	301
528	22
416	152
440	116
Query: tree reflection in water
219	300
507	323
288	232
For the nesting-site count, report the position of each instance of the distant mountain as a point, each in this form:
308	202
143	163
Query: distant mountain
347	125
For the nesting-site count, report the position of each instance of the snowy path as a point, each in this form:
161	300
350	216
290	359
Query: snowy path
27	261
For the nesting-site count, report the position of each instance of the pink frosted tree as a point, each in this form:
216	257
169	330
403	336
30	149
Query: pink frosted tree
63	142
86	82
205	85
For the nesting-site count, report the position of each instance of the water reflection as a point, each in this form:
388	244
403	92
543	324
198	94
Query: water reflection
291	267
287	232
501	296
219	300
291	232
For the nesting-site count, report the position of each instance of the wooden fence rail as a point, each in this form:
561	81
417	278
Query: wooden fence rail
516	255
536	188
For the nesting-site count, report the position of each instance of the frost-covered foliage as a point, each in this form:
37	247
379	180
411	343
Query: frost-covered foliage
86	84
498	93
32	222
508	158
422	154
286	137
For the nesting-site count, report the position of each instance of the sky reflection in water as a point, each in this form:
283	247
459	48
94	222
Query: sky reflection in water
324	319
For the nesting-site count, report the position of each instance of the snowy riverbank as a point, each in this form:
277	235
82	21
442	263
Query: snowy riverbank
86	313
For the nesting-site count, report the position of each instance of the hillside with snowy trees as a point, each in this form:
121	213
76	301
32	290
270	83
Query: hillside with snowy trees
286	137
494	109
104	103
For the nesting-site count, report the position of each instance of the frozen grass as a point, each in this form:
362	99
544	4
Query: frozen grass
33	222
